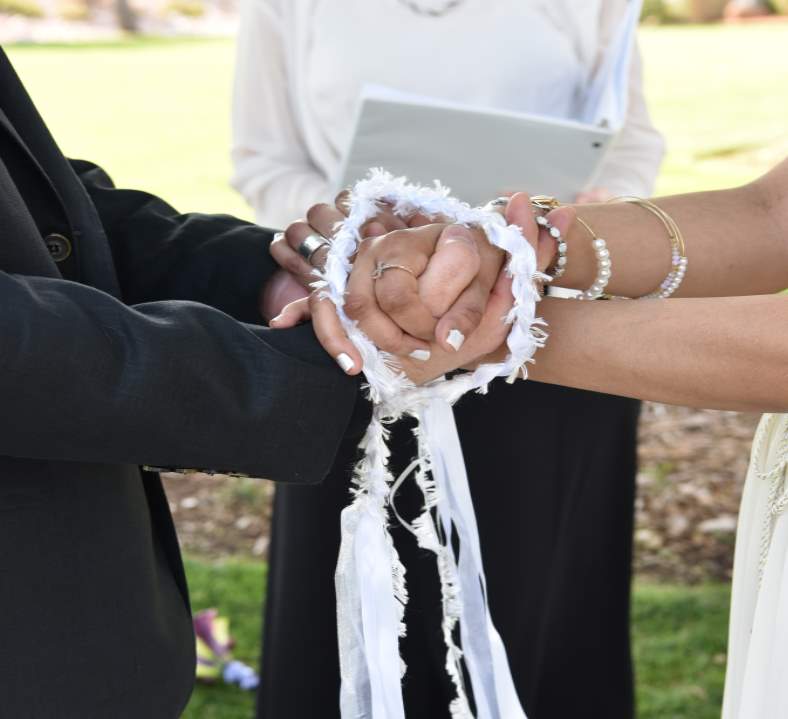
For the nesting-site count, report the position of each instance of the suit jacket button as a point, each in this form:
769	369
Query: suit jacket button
59	246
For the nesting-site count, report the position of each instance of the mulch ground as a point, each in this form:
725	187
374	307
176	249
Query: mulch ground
692	467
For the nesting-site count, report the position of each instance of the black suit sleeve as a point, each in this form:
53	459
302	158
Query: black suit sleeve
84	377
161	254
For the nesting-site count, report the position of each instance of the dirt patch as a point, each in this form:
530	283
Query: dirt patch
692	468
689	486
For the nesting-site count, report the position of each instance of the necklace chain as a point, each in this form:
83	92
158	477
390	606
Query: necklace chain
432	12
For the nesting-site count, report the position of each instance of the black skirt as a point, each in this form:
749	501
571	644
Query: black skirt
552	476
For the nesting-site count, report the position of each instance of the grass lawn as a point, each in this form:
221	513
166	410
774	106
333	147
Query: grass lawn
679	642
719	94
236	588
155	115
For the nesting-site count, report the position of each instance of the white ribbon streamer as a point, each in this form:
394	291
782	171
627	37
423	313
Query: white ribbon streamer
481	642
370	579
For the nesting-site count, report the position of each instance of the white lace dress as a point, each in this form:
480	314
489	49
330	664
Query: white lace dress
756	685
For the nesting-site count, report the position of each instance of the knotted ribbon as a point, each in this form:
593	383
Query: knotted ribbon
371	589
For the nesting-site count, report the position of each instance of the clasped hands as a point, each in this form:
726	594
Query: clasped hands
437	305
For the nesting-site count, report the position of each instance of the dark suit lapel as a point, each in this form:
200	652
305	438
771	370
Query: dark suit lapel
23	251
21	120
8	127
6	123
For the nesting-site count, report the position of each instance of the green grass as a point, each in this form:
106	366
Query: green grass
679	640
154	114
679	636
236	588
719	94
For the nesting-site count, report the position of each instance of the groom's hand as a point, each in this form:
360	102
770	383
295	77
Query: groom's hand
443	289
430	282
399	285
294	280
459	275
450	270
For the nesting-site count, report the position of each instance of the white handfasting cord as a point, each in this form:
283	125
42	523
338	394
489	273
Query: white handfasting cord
370	579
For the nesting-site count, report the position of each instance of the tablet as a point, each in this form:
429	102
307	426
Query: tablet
479	153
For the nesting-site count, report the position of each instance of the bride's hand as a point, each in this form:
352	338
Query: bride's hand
384	293
453	262
321	220
437	361
483	343
444	356
293	280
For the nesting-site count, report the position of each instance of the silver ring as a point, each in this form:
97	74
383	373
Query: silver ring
310	245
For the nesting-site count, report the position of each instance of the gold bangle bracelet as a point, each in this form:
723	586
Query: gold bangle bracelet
678	267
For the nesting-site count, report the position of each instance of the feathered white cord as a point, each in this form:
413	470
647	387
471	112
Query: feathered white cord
370	579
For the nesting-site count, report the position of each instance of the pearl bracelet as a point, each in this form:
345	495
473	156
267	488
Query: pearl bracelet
603	263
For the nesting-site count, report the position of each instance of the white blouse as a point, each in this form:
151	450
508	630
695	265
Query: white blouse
301	65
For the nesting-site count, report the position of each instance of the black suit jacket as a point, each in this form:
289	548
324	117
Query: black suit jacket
128	338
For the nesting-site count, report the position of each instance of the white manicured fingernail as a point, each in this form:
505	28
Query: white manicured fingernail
456	339
421	355
345	362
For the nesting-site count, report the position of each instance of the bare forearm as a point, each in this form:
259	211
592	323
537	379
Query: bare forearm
737	242
723	353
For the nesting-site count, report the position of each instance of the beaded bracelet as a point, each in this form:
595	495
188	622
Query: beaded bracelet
678	265
560	263
545	204
603	263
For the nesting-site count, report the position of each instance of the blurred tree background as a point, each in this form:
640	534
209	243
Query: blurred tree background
144	16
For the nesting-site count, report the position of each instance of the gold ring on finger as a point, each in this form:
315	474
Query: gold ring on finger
381	267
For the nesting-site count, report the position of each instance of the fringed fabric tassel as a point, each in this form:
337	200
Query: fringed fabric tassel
451	602
370	578
371	593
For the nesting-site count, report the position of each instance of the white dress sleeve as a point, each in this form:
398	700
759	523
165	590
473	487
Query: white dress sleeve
271	165
633	161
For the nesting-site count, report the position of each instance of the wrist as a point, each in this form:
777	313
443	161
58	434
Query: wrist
498	355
